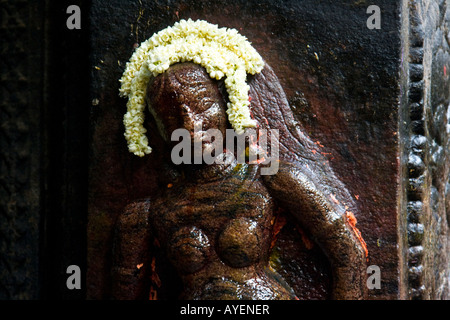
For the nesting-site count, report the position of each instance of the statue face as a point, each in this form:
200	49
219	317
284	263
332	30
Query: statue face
185	97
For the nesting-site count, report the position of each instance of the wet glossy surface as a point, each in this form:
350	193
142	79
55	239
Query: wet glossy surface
216	222
343	100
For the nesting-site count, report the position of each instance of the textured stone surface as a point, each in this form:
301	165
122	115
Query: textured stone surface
20	176
342	83
44	148
375	101
427	152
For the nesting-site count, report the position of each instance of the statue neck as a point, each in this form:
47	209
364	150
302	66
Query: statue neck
223	166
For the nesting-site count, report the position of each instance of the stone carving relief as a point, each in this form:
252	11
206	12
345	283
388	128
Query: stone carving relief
217	223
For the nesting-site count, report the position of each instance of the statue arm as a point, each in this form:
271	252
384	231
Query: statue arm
131	253
328	225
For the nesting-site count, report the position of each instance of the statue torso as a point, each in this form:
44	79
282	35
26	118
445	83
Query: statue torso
218	227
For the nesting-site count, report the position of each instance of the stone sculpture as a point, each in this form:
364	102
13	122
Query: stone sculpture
215	222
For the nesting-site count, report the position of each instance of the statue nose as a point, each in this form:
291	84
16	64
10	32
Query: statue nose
188	117
188	123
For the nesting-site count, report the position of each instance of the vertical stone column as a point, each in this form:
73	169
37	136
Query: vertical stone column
427	145
21	179
44	79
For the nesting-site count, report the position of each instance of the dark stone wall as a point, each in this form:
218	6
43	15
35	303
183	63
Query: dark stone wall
21	100
67	128
375	101
342	81
44	127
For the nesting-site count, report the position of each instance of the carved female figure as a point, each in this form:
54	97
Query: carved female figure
215	224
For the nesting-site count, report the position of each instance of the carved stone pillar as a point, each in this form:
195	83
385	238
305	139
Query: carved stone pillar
20	166
44	148
424	209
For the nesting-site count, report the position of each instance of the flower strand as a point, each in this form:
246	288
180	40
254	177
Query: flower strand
221	51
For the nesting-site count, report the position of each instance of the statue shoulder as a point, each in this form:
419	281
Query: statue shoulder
138	205
135	214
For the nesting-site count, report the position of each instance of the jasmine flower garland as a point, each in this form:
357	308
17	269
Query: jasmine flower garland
221	51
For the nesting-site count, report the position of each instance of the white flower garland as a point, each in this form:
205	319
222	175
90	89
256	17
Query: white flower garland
221	51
